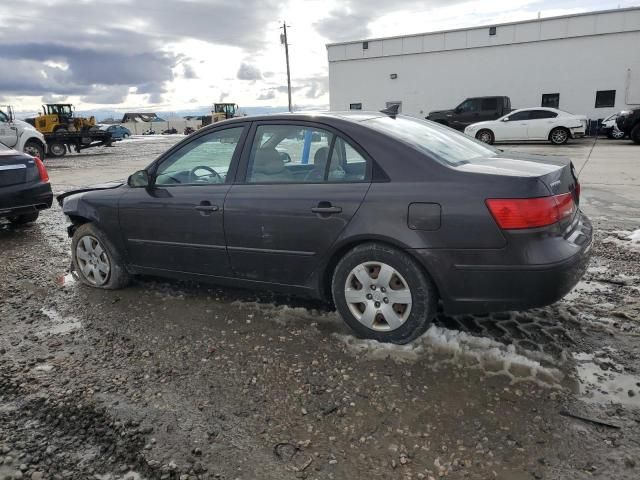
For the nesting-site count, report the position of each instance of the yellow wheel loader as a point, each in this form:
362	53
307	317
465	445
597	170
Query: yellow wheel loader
59	118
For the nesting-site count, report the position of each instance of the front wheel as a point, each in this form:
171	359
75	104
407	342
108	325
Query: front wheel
34	149
485	136
559	136
616	134
125	136
383	294
96	260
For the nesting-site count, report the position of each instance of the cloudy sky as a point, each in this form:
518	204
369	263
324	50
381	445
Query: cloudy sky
185	54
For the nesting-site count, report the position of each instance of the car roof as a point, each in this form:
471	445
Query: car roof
549	109
348	116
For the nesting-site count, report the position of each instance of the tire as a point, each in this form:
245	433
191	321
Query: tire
57	149
615	134
61	129
635	134
90	240
559	136
125	136
33	148
26	218
486	136
406	321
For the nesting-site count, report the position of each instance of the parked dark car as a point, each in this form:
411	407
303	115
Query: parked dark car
383	214
629	122
472	110
24	186
118	132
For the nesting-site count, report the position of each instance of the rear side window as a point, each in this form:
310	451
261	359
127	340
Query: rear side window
346	165
540	114
437	141
489	104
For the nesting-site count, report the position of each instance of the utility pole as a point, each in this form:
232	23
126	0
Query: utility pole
283	39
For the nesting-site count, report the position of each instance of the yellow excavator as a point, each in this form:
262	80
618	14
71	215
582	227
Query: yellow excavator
223	111
59	118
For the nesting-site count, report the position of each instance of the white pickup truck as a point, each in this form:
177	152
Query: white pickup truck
20	135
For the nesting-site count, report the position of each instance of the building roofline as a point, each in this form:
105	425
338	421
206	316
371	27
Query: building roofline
487	25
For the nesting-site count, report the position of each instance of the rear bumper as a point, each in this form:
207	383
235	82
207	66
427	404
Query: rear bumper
477	282
24	199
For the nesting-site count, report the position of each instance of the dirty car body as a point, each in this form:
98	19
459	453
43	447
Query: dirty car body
283	201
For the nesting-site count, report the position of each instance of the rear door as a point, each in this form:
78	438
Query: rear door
302	184
177	224
488	109
541	122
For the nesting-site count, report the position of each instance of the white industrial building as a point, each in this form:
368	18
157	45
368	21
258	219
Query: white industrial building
585	64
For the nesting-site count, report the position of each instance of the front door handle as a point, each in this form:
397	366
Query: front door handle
205	207
325	208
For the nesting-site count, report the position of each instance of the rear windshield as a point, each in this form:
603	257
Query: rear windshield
442	143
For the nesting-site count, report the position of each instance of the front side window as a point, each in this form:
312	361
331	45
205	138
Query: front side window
3	117
435	140
469	105
203	161
519	116
605	98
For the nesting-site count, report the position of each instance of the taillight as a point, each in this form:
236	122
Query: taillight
42	170
577	190
518	213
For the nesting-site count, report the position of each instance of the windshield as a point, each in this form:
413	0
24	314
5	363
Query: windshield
436	140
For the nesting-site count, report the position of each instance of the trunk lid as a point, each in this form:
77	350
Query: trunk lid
16	168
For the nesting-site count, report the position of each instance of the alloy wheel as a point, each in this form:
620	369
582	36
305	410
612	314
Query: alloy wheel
378	296
485	137
93	260
617	134
32	150
559	136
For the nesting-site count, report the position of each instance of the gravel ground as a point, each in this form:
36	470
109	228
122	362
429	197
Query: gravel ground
176	380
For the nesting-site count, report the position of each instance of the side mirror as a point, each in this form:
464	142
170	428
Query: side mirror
505	119
139	179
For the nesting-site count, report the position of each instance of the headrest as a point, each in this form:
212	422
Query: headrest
268	161
320	157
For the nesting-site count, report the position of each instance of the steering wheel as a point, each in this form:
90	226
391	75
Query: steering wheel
193	178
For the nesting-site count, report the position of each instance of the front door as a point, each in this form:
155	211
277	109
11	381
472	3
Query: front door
177	224
514	127
8	131
467	112
303	185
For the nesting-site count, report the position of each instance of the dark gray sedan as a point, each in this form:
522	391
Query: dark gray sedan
386	215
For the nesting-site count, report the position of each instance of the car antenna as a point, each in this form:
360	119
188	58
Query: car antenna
391	110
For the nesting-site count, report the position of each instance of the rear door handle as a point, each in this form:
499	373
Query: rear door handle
326	208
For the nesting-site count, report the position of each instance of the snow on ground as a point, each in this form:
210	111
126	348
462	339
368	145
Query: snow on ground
625	238
442	345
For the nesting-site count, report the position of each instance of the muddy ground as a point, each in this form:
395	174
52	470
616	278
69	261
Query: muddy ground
182	381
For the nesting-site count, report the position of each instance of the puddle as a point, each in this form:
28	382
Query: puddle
60	325
596	384
459	348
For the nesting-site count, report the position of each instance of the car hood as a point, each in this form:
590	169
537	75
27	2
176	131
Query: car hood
516	164
101	186
439	113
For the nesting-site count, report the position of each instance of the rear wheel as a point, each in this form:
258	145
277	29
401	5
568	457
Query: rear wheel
33	148
26	218
383	294
559	136
96	260
61	129
57	149
635	134
485	136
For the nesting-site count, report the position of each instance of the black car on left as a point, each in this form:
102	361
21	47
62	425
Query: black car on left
24	186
